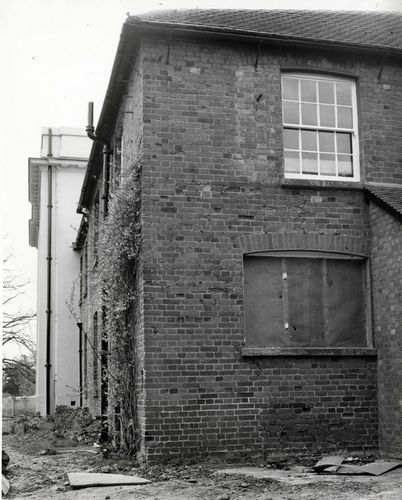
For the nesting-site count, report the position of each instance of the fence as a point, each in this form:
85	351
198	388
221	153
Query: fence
20	405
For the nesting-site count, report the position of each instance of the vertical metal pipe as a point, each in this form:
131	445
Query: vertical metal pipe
49	273
80	361
107	151
90	114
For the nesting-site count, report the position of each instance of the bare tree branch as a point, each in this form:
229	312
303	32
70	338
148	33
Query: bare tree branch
18	374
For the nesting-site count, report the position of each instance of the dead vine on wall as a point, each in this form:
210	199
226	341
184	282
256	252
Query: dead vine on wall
120	244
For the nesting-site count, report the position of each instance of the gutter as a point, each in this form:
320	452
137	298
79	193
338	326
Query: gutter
387	204
145	26
118	80
107	151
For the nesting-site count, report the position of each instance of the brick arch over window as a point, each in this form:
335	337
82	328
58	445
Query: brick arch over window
304	241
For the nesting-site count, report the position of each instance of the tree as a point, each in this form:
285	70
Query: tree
18	372
19	376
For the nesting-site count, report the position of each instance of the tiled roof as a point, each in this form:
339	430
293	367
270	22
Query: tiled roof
387	196
365	29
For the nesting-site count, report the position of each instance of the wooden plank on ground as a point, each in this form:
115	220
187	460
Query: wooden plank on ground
372	469
380	467
85	479
329	461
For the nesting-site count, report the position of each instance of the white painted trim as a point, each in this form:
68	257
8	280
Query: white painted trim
353	131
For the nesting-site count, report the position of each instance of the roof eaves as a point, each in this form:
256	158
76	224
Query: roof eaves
117	83
273	38
385	198
81	233
34	165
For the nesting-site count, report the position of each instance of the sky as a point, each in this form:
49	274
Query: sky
56	56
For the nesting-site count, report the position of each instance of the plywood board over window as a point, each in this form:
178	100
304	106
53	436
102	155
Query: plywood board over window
311	300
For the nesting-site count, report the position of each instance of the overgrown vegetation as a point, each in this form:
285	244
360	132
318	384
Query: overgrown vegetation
19	376
18	369
119	251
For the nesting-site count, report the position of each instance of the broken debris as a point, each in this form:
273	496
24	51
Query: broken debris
330	461
5	460
5	485
338	465
85	479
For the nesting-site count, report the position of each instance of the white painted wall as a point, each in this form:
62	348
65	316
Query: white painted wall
67	178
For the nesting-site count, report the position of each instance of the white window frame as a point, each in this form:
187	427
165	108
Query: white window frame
353	131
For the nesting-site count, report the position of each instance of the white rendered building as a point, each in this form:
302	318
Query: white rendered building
55	181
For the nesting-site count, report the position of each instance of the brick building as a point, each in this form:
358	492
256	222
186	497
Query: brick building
269	274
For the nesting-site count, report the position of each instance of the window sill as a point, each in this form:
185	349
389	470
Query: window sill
319	184
248	352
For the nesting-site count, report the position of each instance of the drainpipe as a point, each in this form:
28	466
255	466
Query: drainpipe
80	361
49	272
107	151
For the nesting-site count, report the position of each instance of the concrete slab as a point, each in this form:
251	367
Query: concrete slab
84	479
299	475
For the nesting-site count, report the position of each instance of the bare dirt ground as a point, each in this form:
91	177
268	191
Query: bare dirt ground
35	475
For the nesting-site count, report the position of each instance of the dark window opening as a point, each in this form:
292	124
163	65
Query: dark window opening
81	277
84	273
115	166
96	227
296	301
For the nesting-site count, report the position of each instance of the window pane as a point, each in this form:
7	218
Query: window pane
345	166
291	139
291	112
308	90
291	89
310	163
318	118
327	142
292	162
345	118
309	114
327	115
309	140
344	143
326	92
345	303
263	294
327	164
344	93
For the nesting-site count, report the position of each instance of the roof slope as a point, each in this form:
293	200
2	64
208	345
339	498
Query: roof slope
368	32
366	29
389	197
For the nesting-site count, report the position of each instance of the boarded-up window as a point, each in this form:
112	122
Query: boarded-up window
305	301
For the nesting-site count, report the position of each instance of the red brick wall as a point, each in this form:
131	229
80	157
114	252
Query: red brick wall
381	124
213	165
387	299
